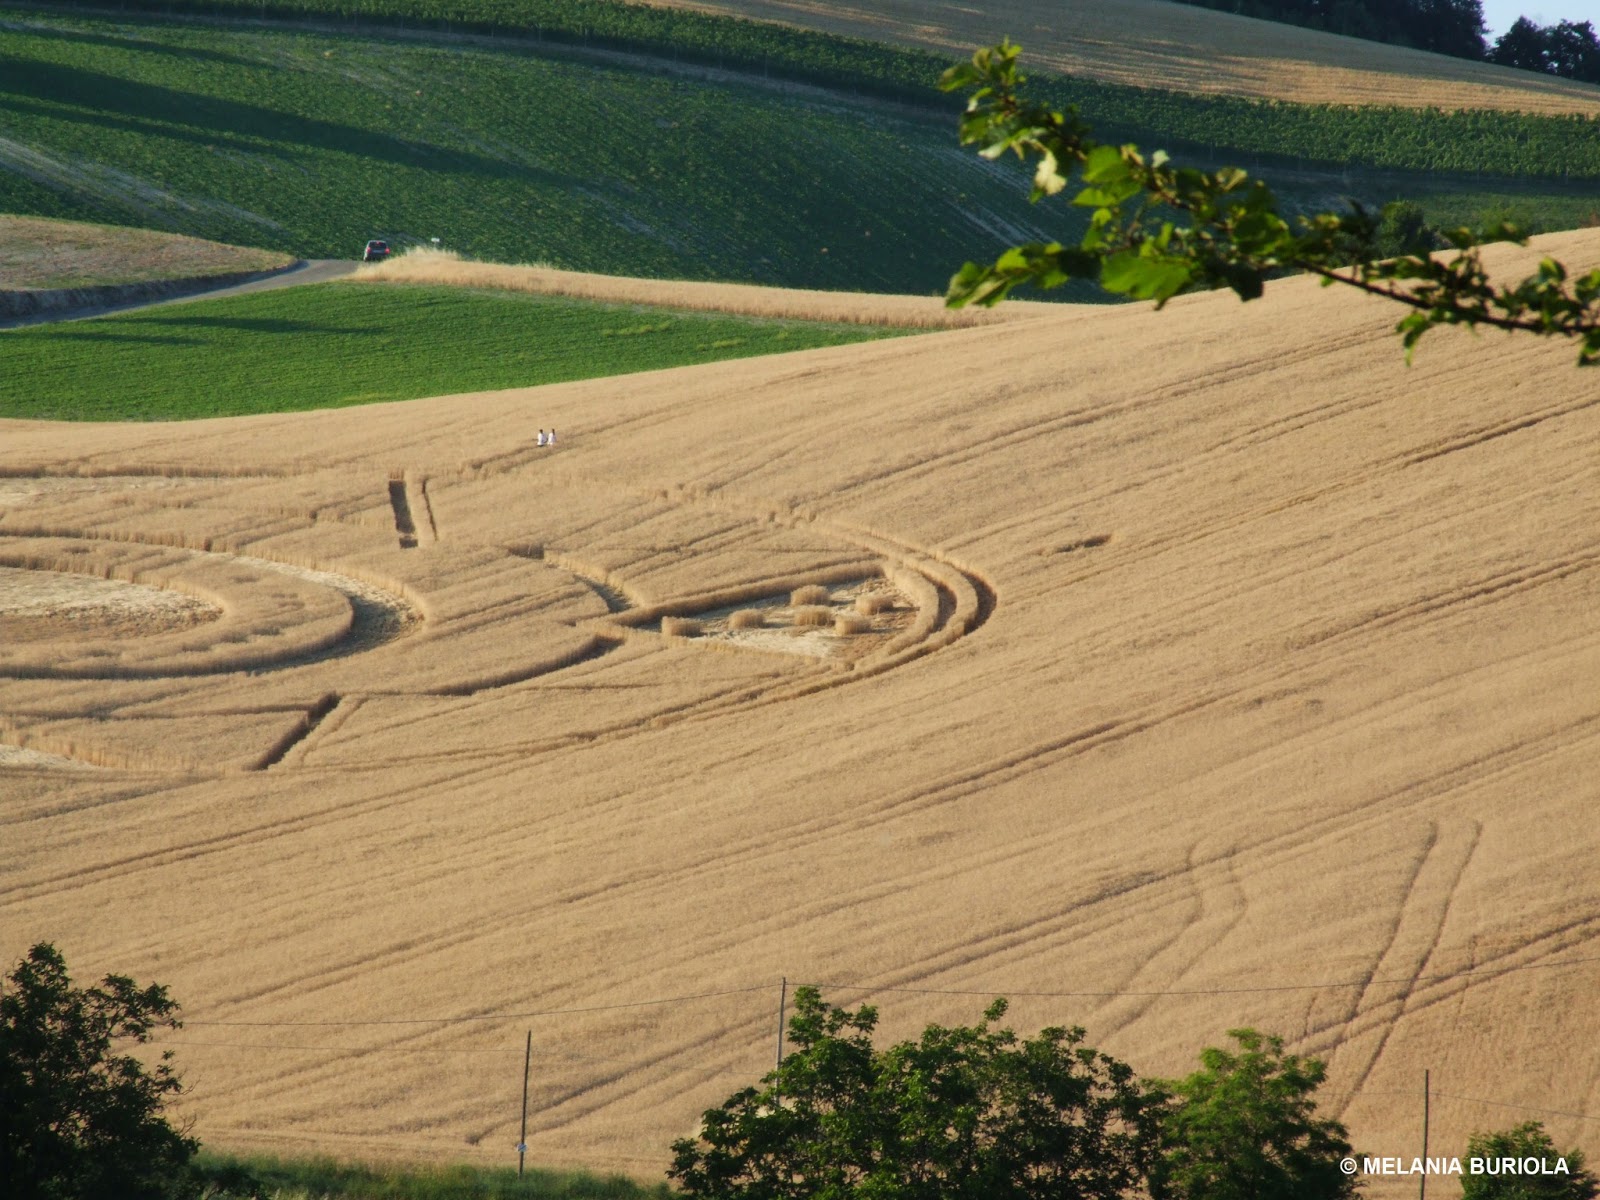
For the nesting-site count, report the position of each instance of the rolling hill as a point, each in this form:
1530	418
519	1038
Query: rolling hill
1222	670
312	142
781	166
1152	43
39	253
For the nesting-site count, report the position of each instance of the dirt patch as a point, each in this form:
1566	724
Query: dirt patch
38	606
37	253
782	630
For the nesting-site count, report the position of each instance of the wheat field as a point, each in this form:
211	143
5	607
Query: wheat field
1154	43
1217	669
425	265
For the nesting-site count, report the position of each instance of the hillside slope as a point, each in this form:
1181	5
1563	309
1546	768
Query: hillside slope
1235	674
40	253
1152	43
314	141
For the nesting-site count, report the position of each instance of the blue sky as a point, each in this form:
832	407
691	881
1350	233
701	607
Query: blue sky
1499	14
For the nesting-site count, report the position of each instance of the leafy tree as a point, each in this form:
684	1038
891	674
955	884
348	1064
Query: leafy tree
1403	229
971	1113
1570	49
1573	51
77	1120
1244	1127
1522	46
1528	1140
1158	230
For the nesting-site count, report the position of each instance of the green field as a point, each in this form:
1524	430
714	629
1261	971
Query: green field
1483	141
312	142
330	345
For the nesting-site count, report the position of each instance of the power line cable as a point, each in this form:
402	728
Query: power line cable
1219	991
509	1016
1554	1112
441	1050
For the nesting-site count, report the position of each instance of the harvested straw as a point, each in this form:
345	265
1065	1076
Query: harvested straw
846	624
747	618
813	614
679	627
812	593
870	604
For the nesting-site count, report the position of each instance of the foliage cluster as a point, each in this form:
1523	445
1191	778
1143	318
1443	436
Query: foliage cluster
331	345
977	1113
1487	142
1158	229
79	1118
1567	48
1525	1141
919	1121
325	1179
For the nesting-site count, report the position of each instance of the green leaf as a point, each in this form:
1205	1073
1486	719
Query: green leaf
1145	277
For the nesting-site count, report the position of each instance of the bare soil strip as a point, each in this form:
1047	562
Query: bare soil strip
41	254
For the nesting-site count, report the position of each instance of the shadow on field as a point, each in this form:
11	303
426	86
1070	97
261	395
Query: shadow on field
72	334
151	109
276	326
133	45
253	325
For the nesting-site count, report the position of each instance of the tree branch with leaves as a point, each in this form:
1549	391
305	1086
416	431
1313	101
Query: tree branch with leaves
1158	230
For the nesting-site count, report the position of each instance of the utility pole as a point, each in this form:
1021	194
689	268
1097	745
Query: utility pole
1422	1190
522	1142
783	1000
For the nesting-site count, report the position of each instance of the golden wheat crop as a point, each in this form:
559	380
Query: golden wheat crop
1153	43
846	624
1308	744
812	614
427	265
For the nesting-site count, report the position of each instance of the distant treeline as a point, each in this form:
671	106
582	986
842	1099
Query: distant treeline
1454	27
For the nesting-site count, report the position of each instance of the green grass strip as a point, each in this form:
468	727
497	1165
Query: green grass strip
1486	142
311	1178
333	345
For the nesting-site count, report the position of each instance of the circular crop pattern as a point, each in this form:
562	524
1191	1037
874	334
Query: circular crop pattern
76	608
40	606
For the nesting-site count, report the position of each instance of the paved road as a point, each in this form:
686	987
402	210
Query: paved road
314	270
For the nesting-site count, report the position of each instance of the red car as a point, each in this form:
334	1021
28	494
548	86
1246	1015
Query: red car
376	251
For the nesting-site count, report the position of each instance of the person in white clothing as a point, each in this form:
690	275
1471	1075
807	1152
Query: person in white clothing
541	437
552	441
